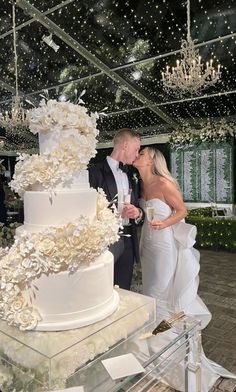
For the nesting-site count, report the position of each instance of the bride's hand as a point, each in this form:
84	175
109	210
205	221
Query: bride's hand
157	224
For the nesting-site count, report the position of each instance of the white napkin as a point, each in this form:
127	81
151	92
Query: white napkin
122	366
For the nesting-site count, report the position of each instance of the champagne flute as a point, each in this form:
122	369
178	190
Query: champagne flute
150	217
127	200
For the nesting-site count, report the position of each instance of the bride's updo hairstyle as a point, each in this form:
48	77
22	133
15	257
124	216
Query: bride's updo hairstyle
159	167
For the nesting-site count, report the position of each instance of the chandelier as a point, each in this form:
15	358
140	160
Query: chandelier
18	116
190	75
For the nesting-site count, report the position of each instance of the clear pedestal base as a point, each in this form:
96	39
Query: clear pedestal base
33	361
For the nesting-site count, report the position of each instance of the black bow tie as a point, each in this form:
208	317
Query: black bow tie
123	167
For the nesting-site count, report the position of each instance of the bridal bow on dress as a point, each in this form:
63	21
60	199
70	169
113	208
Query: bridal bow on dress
186	299
186	280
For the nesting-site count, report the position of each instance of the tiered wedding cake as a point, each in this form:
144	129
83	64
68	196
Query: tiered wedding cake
58	274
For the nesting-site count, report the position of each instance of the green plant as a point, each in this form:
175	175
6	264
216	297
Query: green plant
206	211
7	234
214	233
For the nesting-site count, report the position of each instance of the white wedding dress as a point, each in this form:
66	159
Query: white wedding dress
170	268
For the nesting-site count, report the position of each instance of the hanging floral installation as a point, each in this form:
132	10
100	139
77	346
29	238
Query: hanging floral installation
210	131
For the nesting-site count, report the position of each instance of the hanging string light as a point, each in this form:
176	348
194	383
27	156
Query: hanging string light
18	115
190	75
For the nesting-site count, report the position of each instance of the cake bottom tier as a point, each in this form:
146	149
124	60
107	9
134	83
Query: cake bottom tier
66	301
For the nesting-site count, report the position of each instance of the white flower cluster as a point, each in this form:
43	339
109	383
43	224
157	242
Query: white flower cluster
71	154
49	169
61	116
219	131
51	251
135	178
184	136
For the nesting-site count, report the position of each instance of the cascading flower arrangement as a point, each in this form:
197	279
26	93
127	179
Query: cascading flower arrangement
182	136
52	250
71	136
210	131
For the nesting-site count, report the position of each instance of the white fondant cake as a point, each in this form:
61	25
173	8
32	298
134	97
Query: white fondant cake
63	272
69	300
74	300
43	208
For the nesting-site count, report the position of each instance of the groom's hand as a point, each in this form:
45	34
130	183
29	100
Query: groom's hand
130	211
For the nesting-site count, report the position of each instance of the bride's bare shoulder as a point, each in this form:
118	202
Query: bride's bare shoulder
163	181
166	184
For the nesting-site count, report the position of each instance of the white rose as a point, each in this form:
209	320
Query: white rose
18	304
27	318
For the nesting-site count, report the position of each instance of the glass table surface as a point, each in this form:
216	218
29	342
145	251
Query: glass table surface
171	357
45	361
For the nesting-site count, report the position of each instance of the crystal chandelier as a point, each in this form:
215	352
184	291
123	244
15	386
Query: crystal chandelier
17	116
190	75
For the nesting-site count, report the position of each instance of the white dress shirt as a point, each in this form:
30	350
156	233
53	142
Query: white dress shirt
122	184
121	178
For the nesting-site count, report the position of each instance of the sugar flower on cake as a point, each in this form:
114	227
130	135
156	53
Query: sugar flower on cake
48	170
52	250
53	115
74	134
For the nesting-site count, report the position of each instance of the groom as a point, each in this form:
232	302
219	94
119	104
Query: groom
112	175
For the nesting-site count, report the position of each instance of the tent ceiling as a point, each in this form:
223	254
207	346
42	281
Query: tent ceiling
116	50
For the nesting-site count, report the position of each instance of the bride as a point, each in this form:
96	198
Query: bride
170	264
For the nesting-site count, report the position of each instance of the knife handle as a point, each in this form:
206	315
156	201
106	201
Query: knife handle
176	317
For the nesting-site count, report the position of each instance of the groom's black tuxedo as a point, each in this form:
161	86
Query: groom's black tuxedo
127	248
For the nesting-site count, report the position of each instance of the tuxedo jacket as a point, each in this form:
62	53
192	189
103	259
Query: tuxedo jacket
101	176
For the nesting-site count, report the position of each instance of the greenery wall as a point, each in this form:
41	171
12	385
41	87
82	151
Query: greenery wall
212	232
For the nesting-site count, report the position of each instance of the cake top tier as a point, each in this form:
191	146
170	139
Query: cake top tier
67	139
55	120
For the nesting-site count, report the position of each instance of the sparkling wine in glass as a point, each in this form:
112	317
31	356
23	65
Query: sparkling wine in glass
127	200
150	213
150	217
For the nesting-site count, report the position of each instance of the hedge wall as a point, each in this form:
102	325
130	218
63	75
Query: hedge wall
212	232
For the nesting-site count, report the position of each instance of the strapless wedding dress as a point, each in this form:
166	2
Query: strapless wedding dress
170	268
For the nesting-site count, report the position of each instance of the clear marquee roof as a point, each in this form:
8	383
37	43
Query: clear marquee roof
116	51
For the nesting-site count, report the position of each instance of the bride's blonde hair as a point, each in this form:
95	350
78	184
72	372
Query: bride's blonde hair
159	167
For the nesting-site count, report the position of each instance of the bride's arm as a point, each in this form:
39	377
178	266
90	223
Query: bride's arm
173	198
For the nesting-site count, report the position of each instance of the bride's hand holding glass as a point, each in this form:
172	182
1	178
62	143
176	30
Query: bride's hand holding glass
157	224
150	214
150	217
